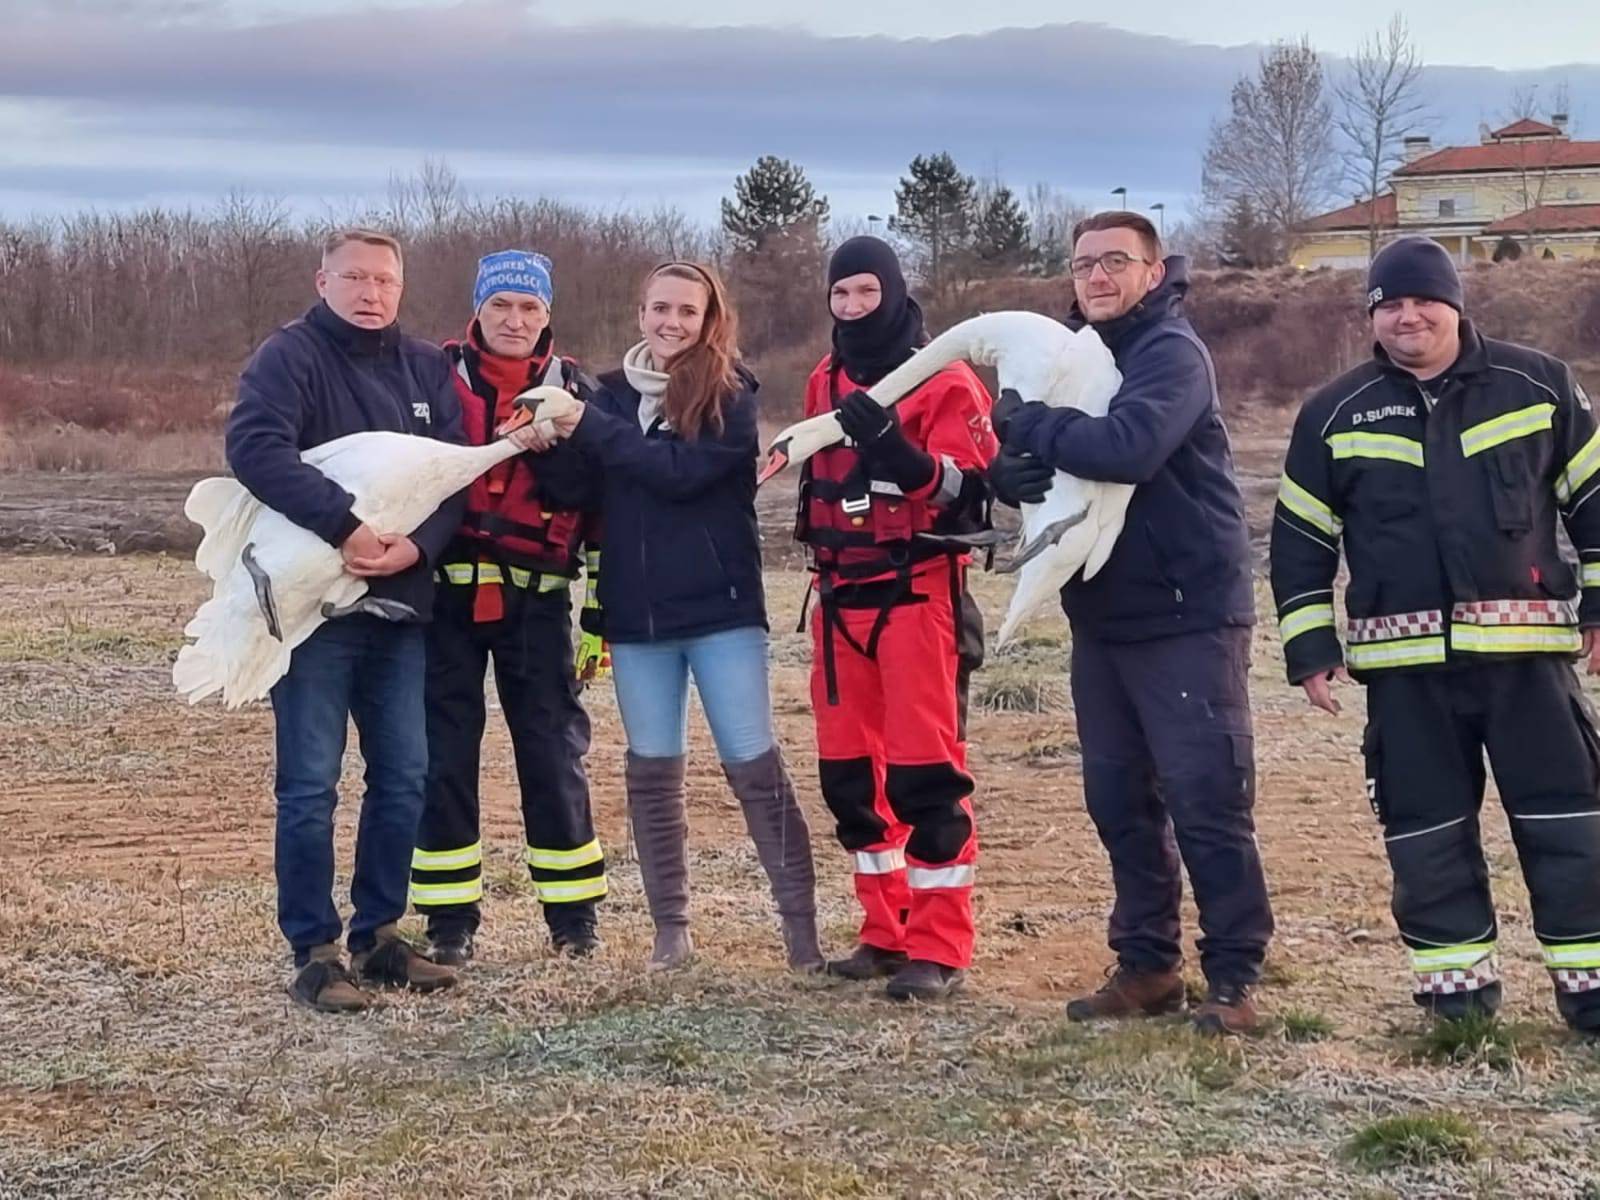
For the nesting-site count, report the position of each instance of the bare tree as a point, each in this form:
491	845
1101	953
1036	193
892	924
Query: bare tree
1380	105
1276	145
253	232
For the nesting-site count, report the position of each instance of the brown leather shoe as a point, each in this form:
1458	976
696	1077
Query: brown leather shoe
324	984
867	962
1228	1008
1130	993
393	963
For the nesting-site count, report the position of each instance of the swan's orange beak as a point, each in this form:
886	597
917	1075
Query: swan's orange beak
777	460
521	415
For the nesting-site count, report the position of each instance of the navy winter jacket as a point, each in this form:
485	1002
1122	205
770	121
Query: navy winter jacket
1182	562
319	378
681	550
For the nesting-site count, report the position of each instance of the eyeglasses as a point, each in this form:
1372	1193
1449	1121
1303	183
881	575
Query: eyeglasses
1114	262
384	283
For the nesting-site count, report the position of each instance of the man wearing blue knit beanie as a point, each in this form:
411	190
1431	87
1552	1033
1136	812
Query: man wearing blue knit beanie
1442	467
504	596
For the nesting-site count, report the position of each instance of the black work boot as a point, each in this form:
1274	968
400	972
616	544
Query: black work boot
393	963
325	985
1129	992
920	979
1459	1006
1228	1008
450	947
783	844
659	813
867	962
1580	1010
573	928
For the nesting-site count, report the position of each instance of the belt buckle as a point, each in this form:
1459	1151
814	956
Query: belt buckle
856	504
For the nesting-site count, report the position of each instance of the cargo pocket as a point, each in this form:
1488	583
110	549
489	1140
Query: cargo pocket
1511	487
1583	714
969	654
1372	760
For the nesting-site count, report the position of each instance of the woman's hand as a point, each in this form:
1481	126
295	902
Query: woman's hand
536	437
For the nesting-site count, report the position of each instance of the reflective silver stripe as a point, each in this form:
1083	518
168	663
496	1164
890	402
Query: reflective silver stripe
1515	639
879	862
447	860
1593	812
466	892
1386	446
1308	507
1412	652
1396	625
884	488
1304	620
950	482
1508	427
1578	470
1400	837
1591	575
923	878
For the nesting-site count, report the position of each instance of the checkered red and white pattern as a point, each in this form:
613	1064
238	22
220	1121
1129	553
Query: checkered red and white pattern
1570	979
1396	627
1514	612
1449	983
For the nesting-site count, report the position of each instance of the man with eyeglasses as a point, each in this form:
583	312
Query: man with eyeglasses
1160	637
346	368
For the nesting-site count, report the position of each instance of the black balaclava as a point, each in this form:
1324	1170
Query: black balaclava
870	347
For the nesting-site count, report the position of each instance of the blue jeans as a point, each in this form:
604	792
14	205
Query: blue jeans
372	670
730	673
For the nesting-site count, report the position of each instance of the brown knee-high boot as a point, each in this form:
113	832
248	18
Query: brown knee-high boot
660	836
783	844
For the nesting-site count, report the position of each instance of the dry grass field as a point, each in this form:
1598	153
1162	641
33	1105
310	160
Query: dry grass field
147	1048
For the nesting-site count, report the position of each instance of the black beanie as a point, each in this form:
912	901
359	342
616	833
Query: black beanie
871	346
1414	266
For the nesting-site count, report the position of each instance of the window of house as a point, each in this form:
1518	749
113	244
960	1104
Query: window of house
1447	207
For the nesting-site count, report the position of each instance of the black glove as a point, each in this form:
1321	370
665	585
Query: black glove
1019	478
1004	409
882	443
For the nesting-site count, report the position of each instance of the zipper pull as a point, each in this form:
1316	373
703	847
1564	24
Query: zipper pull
1178	592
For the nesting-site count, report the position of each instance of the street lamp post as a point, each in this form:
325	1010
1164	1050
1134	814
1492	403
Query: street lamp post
1162	209
1123	192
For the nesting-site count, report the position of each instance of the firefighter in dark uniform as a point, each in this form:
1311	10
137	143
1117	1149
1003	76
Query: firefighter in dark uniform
505	593
888	517
1442	466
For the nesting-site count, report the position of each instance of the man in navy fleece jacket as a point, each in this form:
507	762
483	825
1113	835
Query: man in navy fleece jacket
1160	637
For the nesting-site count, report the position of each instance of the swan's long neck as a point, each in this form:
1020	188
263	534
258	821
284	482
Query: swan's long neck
953	345
466	463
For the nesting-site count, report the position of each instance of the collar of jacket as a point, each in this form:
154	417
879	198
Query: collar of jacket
1473	358
353	338
1165	301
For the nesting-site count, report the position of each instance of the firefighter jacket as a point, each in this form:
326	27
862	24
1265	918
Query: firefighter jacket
515	516
860	528
1444	496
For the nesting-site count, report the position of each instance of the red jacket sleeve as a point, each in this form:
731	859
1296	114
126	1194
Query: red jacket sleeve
949	418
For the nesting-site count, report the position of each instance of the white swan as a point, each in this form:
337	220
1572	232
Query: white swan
1077	524
276	582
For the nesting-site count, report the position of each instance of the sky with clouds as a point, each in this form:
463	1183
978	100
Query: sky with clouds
175	101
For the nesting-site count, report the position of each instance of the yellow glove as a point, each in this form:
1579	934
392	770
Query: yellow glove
594	658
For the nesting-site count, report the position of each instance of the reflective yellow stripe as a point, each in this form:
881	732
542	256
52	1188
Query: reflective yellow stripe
1407	652
1515	639
1584	464
1574	954
457	572
1508	427
569	891
1304	620
553	583
1386	446
1444	958
1590	575
468	891
465	573
1307	507
447	860
564	860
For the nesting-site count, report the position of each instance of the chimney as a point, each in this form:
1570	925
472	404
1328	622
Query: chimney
1417	147
1559	120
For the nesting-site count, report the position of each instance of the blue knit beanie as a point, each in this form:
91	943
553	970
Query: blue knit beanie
513	271
1414	266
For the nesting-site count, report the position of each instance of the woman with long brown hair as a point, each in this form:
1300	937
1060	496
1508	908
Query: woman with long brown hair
674	437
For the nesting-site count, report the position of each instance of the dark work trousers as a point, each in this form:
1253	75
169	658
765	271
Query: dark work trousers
1169	771
533	669
1424	747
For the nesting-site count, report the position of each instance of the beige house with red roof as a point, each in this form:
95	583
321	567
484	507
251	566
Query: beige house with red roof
1525	189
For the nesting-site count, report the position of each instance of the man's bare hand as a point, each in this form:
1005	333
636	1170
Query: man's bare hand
396	553
361	547
1591	650
567	420
1319	689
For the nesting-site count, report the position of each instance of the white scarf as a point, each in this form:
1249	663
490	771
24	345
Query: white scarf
650	383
